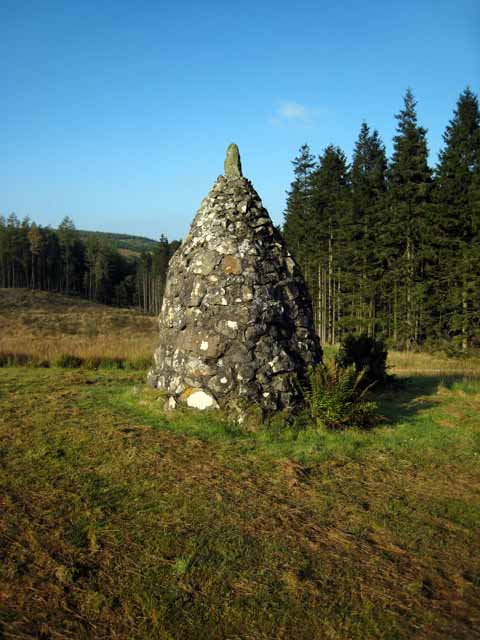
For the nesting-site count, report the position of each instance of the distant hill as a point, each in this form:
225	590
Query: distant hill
126	244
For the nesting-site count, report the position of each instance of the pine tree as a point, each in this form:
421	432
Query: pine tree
458	216
12	249
53	261
152	274
474	257
410	183
161	258
365	248
35	239
3	251
298	215
67	235
328	239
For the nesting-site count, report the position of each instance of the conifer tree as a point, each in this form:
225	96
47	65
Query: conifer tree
410	183
457	224
298	214
366	233
13	251
330	204
68	238
35	239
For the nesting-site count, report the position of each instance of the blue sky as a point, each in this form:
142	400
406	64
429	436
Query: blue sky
119	113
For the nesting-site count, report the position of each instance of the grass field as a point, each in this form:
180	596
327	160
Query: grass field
120	521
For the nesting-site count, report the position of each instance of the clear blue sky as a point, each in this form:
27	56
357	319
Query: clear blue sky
119	113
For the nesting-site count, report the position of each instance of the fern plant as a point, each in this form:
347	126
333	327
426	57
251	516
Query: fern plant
337	398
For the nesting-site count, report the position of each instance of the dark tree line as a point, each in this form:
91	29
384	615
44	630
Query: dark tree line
59	260
391	247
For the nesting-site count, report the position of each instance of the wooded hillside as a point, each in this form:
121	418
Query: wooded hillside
134	244
64	261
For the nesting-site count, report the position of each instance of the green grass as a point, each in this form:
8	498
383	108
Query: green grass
118	520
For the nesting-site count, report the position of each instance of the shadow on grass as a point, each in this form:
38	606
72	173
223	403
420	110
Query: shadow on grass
416	393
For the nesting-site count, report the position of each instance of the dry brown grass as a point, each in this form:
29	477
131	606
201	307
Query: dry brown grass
43	326
439	364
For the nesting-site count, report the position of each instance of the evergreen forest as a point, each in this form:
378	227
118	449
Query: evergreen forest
83	264
389	247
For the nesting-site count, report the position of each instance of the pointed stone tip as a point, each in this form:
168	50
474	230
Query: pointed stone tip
233	165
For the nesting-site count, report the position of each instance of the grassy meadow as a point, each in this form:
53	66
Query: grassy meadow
38	328
121	521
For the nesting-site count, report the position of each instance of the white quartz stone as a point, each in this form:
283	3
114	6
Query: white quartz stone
201	400
204	345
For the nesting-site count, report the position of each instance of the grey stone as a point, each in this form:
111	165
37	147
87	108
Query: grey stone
236	325
233	165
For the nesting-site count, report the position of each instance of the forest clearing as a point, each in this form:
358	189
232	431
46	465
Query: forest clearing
240	321
122	521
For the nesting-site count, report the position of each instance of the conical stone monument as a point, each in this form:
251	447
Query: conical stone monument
236	325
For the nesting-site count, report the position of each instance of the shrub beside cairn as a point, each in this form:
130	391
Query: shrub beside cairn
339	394
366	354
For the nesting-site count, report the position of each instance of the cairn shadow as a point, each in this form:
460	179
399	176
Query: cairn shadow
410	395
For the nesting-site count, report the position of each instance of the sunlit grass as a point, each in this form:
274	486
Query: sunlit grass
438	364
121	520
432	401
404	363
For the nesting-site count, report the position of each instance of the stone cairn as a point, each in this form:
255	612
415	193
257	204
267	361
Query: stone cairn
236	325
